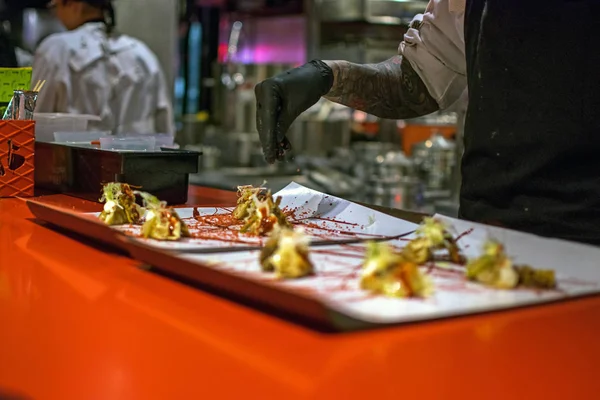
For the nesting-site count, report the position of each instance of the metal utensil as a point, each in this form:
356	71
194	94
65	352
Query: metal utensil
323	243
21	106
214	250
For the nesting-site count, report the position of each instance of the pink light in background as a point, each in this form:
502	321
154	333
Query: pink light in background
272	41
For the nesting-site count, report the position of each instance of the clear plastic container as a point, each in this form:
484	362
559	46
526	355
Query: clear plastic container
165	140
161	139
80	137
131	143
48	123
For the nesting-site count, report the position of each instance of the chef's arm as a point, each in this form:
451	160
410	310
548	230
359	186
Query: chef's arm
391	89
428	74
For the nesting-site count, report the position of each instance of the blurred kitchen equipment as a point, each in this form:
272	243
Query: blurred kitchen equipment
450	206
234	104
366	154
319	138
435	159
343	159
237	148
417	130
400	193
234	109
193	129
393	165
388	131
362	50
210	158
334	182
392	182
394	12
231	79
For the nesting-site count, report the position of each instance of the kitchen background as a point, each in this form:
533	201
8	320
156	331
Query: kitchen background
215	51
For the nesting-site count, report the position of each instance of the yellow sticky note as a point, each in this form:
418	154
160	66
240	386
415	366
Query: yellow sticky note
12	79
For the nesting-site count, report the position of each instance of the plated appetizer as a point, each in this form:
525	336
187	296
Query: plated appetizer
120	207
160	221
391	274
286	254
245	200
259	211
432	236
495	269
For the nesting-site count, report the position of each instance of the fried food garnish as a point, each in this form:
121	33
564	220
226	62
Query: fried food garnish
432	235
161	222
119	205
263	214
535	278
286	254
391	274
493	268
244	201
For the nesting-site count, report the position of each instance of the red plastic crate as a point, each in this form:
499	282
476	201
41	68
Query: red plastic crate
17	158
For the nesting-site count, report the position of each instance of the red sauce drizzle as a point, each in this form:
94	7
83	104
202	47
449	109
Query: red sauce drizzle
465	233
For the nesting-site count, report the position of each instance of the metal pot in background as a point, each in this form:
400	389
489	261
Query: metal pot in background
193	129
343	159
209	160
435	159
237	148
393	165
319	138
366	154
234	105
391	182
399	193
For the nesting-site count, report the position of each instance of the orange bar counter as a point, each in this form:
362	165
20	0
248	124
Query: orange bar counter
78	321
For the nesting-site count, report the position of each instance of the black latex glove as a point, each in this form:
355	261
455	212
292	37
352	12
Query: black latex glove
282	98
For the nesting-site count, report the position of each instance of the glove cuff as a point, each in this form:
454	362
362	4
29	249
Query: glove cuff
326	73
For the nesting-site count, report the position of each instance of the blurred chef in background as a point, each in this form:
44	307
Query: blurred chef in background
91	69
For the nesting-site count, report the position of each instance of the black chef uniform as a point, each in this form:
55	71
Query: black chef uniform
532	130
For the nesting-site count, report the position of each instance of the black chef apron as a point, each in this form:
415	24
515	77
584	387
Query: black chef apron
532	130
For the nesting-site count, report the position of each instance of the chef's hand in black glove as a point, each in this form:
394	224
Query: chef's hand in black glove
282	98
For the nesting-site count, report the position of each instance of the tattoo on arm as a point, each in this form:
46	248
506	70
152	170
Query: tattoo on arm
391	89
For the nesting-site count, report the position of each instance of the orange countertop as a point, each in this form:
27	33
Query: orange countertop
78	322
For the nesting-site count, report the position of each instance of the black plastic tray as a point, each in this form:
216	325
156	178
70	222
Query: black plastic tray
81	170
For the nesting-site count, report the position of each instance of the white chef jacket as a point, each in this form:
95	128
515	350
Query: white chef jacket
117	78
437	50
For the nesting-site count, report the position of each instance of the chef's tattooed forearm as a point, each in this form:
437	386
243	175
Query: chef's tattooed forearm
391	89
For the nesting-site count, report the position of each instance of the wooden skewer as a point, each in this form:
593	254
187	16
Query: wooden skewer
39	85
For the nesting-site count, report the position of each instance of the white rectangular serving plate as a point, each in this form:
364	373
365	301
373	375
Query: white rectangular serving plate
324	218
336	283
333	296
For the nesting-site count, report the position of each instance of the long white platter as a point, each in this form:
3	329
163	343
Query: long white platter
333	295
324	218
336	283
